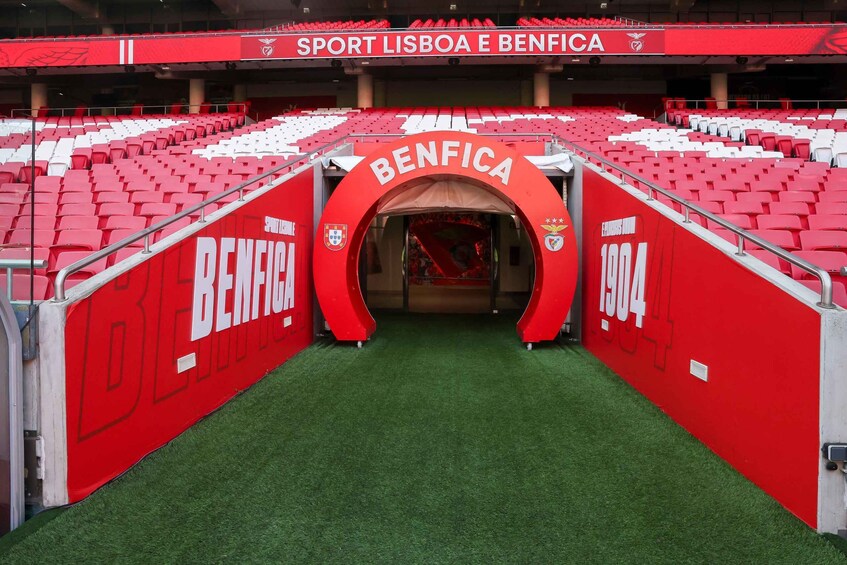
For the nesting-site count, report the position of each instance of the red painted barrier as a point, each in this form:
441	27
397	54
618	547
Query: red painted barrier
147	49
481	161
657	297
162	345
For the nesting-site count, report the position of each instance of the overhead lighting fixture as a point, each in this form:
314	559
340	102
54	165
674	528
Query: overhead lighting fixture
575	60
364	62
604	5
741	60
570	78
594	61
335	80
306	10
453	61
453	7
789	60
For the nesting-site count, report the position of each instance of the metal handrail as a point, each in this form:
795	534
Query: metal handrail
631	22
669	104
741	234
10	265
28	112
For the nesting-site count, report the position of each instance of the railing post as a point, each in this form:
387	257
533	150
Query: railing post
687	214
650	193
826	291
146	244
740	245
241	194
202	219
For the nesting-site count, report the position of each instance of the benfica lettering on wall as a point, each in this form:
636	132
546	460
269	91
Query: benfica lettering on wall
261	282
160	346
445	43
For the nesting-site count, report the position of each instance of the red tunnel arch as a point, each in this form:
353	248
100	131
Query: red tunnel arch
476	159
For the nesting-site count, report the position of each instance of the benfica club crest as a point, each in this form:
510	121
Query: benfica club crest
554	241
335	236
267	46
636	44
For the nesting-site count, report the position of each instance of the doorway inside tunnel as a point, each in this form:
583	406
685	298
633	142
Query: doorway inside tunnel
447	262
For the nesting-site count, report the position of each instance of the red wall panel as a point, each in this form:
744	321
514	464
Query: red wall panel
755	40
759	409
124	394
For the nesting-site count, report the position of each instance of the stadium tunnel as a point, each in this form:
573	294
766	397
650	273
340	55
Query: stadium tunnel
441	172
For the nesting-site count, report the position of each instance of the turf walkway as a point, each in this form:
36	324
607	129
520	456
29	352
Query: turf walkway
443	440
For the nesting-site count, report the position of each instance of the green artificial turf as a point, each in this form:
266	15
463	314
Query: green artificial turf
443	440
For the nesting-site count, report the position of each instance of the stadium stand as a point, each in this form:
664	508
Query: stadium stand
797	204
576	22
819	135
97	179
452	23
333	26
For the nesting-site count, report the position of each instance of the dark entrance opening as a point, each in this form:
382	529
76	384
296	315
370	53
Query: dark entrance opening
447	262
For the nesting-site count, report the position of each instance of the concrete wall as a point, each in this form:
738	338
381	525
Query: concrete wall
389	241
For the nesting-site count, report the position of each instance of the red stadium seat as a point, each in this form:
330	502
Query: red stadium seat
42	237
814	240
21	286
831	208
839	293
827	222
779	222
91	239
782	238
134	223
792	208
78	223
66	258
157	209
830	261
830	196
